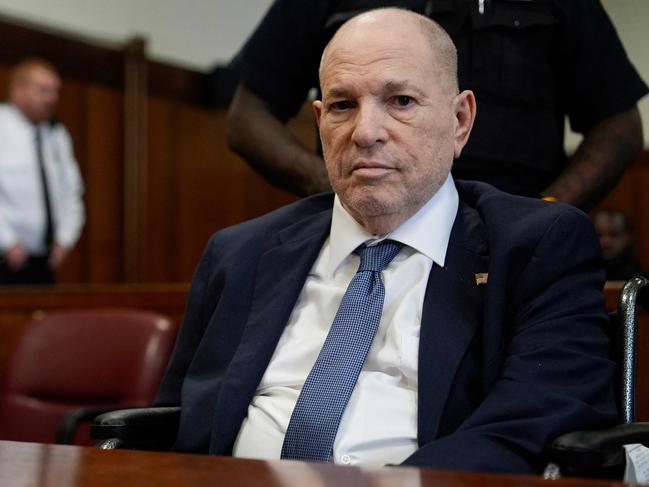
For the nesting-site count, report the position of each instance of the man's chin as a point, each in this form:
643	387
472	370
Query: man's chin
368	205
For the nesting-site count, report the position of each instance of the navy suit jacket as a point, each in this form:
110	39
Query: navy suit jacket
504	367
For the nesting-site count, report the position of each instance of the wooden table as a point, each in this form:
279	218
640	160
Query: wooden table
37	465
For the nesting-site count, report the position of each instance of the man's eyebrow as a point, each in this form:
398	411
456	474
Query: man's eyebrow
390	87
402	86
337	93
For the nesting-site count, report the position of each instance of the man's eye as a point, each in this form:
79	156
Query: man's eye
403	100
341	105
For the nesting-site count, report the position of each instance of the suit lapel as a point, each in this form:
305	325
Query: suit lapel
451	313
280	276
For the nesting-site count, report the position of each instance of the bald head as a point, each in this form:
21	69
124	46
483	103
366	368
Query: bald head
400	23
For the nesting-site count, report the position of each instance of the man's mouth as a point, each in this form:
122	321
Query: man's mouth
371	169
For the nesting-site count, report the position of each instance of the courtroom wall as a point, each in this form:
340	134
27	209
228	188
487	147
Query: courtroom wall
201	34
189	183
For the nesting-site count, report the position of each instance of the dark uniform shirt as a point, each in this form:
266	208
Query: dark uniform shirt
529	62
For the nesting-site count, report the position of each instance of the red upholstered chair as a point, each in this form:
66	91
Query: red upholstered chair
69	366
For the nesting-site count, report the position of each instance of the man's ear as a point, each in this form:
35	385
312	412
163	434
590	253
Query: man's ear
464	108
317	108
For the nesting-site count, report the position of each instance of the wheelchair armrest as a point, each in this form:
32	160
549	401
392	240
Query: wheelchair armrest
74	418
581	452
139	428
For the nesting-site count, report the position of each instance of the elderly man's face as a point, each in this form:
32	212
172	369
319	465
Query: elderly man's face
388	124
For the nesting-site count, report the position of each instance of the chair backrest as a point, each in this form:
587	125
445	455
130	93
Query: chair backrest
79	359
622	334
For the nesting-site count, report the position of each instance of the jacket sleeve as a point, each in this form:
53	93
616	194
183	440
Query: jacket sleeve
191	332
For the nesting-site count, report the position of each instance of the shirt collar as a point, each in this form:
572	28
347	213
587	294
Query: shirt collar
428	231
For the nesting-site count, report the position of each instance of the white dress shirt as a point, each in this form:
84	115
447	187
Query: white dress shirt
379	425
22	208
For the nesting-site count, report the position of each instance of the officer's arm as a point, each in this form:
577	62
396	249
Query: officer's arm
600	160
271	149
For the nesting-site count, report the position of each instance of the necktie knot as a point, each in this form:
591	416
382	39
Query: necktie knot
375	258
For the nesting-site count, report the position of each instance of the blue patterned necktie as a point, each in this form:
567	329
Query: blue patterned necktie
314	423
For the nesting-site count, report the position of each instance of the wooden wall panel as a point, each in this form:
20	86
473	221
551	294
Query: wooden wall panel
103	235
200	207
72	111
215	188
196	186
135	160
160	260
193	184
4	78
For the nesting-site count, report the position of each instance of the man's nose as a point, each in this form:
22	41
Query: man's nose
369	126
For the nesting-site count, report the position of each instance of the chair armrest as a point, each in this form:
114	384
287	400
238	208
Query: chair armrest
139	428
582	452
72	419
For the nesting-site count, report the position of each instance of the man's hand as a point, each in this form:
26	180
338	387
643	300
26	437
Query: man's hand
16	257
57	254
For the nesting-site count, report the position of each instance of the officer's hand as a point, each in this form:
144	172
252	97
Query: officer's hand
56	255
16	257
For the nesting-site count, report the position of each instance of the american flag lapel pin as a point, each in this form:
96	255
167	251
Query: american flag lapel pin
481	278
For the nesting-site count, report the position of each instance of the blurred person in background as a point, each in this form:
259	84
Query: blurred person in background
615	233
41	206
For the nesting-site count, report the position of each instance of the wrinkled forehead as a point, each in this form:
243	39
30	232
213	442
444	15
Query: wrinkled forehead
386	70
